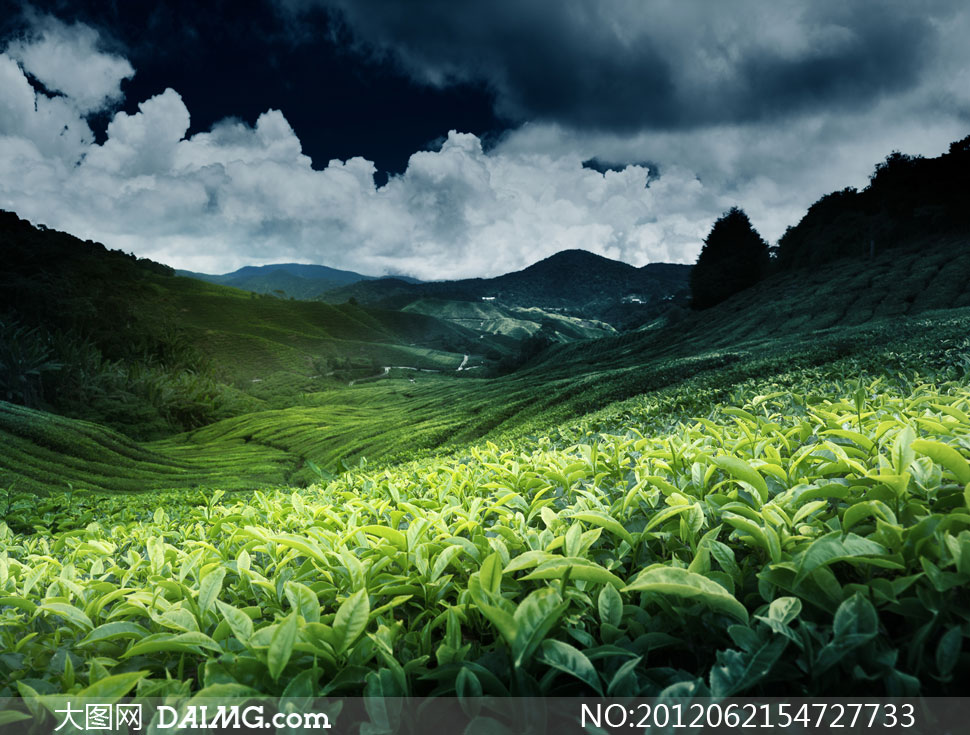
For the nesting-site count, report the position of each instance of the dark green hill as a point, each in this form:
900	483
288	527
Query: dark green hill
50	277
851	318
574	282
296	280
908	198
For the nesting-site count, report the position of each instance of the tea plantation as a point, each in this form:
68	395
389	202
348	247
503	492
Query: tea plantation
763	498
811	535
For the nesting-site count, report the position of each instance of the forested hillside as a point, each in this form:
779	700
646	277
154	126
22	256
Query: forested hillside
909	199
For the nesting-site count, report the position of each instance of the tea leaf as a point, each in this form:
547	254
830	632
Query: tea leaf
350	621
679	583
281	646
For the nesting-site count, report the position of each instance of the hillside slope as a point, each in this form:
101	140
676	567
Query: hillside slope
865	313
100	335
908	198
45	453
394	419
926	275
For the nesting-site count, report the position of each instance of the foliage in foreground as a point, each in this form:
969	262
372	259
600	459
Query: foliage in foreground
796	544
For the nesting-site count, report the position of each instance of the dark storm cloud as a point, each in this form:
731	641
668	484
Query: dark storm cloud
887	52
622	66
232	59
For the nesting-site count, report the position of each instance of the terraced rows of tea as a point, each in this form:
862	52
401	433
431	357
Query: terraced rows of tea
812	539
44	452
391	419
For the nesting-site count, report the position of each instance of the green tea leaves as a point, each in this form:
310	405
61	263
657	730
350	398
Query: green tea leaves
67	612
610	606
281	646
832	548
741	470
590	562
210	587
239	622
351	619
690	587
568	659
303	600
606	522
945	455
534	617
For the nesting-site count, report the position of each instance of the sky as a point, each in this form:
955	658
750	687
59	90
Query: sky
450	138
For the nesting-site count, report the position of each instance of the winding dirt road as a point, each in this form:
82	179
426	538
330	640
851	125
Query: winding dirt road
388	368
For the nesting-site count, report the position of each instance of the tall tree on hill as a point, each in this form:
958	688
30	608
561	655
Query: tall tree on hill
733	258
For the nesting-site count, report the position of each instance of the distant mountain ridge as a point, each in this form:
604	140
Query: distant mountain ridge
576	282
299	280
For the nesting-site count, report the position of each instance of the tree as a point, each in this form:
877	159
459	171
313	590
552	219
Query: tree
25	355
733	258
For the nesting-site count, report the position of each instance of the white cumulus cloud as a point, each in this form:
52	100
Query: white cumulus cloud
67	59
240	194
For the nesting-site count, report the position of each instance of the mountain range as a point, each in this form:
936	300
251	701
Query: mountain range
573	282
296	280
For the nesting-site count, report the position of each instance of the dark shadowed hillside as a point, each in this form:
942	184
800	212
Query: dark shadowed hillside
908	198
926	276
